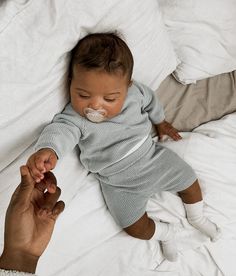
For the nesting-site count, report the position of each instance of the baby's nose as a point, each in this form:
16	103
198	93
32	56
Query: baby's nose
95	104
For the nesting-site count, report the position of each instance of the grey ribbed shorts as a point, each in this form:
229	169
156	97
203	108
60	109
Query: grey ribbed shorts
128	184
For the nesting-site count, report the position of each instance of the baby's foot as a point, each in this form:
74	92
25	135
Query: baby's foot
206	227
165	234
169	250
199	221
168	245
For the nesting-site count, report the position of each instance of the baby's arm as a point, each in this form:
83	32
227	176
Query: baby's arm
152	105
57	139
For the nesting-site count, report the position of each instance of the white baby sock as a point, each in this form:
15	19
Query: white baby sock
164	232
198	220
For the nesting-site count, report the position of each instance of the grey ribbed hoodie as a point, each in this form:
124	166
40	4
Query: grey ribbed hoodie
102	144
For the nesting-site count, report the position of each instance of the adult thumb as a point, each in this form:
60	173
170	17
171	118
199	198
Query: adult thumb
26	186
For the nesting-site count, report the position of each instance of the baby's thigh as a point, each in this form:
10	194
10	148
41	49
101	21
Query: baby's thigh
172	172
125	206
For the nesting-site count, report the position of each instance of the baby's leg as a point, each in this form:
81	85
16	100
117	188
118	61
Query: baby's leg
193	203
146	228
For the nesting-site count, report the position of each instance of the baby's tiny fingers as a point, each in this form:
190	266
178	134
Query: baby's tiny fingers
49	166
173	130
39	163
36	174
177	134
174	135
177	137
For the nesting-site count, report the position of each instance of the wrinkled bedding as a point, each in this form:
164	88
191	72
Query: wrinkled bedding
203	34
87	242
36	38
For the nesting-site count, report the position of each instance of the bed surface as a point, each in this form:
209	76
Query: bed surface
87	242
33	76
93	245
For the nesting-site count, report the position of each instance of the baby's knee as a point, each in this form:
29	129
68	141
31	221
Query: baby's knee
142	229
192	189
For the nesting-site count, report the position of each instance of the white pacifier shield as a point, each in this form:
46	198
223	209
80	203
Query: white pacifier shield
95	116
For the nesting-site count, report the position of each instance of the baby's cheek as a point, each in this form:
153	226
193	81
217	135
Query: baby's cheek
112	112
77	107
80	111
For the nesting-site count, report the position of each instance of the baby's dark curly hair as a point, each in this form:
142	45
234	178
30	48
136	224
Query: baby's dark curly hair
103	51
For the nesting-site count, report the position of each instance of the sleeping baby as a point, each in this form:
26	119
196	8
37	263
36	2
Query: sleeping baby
110	118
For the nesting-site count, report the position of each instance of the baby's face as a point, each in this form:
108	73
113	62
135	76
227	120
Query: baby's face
96	94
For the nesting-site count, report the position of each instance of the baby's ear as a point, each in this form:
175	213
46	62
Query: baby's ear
130	83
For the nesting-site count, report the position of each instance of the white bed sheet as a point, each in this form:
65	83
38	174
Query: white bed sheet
203	34
87	242
36	38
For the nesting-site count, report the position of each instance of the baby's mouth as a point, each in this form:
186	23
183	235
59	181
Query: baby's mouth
95	116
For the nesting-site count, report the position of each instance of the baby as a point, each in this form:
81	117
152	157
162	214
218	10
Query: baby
110	118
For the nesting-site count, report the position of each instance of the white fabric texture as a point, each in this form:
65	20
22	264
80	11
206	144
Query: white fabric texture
86	234
14	273
142	27
203	35
9	9
36	38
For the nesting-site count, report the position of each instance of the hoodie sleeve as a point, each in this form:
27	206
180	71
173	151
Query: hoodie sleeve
151	104
63	134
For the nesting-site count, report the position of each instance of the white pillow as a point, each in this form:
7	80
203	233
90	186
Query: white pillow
35	44
203	35
9	9
142	27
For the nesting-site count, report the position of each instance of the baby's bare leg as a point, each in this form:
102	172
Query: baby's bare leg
192	194
143	228
192	198
146	228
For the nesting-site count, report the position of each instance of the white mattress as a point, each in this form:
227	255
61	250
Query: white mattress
87	242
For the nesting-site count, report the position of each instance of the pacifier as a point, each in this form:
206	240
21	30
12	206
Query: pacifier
95	115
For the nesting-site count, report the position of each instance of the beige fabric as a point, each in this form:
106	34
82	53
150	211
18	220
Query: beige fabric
188	106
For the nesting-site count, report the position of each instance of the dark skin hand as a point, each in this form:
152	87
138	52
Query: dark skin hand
29	222
165	128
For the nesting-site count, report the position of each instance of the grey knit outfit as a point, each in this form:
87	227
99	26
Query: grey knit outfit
127	184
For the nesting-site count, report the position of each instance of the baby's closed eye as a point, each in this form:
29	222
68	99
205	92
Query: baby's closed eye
110	99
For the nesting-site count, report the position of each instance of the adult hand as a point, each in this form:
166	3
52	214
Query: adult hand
29	222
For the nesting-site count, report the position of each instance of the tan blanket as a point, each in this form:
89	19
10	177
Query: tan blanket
188	106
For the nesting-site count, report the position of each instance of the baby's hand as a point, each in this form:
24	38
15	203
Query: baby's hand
165	128
41	162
